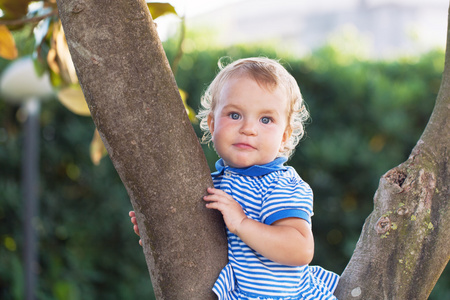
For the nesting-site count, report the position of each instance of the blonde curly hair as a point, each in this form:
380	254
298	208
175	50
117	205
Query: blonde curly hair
270	74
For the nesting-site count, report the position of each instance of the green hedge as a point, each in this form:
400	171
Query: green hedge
366	117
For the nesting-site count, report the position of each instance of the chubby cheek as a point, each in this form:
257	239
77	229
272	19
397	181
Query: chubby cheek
278	140
215	130
222	125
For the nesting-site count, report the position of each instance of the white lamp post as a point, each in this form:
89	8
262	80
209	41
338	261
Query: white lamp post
20	84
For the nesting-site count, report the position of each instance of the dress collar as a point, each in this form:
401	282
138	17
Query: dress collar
256	170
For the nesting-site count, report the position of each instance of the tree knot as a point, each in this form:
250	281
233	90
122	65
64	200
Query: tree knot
396	177
402	211
77	6
383	225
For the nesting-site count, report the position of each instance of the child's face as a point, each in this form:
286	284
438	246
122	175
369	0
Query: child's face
249	124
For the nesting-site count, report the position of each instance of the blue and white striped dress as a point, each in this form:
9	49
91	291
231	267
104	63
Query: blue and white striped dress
268	193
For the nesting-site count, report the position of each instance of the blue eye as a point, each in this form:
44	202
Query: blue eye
235	116
265	120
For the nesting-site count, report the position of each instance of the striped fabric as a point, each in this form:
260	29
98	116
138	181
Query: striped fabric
268	193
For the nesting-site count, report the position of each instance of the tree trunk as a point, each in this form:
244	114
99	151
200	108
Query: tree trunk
405	242
134	101
136	106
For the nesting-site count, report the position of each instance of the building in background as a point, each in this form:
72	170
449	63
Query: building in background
381	28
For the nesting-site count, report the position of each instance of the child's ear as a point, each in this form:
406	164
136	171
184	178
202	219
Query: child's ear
287	134
210	122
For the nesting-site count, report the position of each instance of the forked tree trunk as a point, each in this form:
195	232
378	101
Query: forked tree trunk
134	101
405	242
136	106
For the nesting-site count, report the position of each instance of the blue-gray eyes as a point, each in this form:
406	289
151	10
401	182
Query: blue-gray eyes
265	120
235	116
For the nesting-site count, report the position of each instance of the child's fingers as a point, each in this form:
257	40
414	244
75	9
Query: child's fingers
214	199
213	205
217	195
214	191
211	190
134	221
220	202
136	229
132	215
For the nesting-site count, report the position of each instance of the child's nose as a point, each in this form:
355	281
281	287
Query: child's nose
248	127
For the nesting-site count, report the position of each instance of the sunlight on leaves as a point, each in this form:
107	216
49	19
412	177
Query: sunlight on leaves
350	44
97	148
73	99
190	112
10	243
8	48
73	171
58	58
160	9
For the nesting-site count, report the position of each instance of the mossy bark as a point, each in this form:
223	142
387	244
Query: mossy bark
405	242
136	106
134	101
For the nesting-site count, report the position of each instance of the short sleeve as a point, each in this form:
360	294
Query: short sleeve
288	196
225	284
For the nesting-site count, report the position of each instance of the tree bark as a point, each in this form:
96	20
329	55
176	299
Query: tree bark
136	106
134	101
405	242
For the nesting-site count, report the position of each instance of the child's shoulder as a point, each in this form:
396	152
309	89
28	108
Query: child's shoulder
287	172
288	185
287	177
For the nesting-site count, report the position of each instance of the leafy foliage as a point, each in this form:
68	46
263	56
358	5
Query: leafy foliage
51	52
366	117
8	48
160	9
87	249
14	9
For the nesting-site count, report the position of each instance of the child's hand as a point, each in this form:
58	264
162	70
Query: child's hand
232	212
132	215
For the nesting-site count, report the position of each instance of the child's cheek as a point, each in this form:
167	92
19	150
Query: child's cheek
224	122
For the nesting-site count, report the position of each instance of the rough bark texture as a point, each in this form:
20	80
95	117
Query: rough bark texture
135	104
405	242
134	101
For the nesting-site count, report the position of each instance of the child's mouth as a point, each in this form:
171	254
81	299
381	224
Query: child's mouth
244	146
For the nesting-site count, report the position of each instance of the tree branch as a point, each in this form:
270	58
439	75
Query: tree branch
29	20
405	242
136	106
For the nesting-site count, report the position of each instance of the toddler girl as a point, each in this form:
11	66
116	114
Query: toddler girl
254	114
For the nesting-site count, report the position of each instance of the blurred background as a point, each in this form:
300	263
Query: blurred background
369	71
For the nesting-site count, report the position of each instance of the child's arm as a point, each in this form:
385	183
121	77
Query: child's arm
132	215
287	241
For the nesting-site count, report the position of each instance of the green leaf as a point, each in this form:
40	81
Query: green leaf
160	9
190	112
39	66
